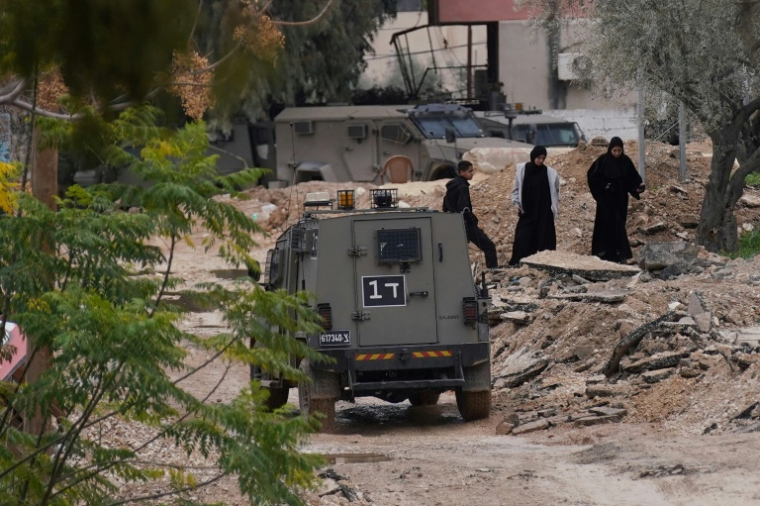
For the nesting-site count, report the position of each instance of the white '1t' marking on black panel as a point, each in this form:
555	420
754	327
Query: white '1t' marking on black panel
383	291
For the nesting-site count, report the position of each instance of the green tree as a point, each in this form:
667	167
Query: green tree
700	53
85	283
320	61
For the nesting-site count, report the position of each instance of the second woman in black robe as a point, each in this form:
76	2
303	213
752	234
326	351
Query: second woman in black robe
536	195
611	178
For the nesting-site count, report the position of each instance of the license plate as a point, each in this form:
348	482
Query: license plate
335	338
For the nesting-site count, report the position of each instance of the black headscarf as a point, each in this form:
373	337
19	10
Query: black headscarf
614	167
536	152
616	142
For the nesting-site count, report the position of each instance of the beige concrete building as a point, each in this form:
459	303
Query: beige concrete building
531	69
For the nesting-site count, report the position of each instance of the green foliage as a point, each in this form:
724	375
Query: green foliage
72	280
749	245
752	179
320	62
104	47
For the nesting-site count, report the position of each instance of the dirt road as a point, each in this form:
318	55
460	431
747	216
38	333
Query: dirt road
402	455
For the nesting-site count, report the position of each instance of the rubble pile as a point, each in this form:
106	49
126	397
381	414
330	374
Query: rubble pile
570	351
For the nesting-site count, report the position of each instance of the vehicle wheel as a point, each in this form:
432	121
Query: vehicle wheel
474	405
424	398
278	396
309	405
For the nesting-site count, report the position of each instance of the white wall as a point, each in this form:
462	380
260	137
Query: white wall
605	122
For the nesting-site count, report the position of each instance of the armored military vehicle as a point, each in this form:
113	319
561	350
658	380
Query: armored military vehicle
532	127
352	143
403	317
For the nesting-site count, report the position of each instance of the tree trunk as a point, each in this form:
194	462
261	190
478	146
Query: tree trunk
717	223
45	188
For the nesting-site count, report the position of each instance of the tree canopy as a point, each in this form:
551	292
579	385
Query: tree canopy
319	61
701	53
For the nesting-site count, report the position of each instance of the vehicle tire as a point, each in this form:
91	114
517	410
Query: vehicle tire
443	172
309	405
278	397
474	405
424	398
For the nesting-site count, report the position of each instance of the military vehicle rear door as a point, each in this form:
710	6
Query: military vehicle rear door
395	282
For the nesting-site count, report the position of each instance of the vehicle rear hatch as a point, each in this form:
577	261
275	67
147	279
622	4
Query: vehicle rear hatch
395	282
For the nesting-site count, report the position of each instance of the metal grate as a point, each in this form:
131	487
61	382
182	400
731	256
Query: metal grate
395	132
357	131
399	245
383	198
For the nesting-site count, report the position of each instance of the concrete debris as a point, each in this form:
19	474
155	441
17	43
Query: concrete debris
616	390
749	200
541	424
657	256
654	229
518	378
605	411
607	297
656	376
517	316
596	420
585	266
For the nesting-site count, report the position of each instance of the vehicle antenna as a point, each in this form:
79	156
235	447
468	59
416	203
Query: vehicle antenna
295	166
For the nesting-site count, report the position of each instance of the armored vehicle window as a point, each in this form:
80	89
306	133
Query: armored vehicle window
395	132
554	134
399	245
273	265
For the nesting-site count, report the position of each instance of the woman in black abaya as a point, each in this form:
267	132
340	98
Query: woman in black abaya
536	195
611	178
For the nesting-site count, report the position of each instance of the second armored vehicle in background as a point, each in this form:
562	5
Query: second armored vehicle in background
353	143
531	127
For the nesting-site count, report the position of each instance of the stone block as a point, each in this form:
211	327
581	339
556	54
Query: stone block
657	256
541	424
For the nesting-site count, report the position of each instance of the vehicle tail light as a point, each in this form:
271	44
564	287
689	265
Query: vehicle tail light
325	311
470	310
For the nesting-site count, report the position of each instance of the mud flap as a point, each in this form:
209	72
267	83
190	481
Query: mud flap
477	377
325	384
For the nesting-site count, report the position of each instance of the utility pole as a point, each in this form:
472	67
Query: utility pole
469	62
640	114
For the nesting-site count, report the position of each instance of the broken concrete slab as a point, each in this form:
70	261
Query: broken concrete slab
520	317
518	378
605	411
658	361
508	424
750	335
696	306
657	227
609	296
596	420
689	372
541	424
585	266
593	391
657	256
749	200
704	322
657	375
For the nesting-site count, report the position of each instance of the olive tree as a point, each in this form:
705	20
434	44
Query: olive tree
702	53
